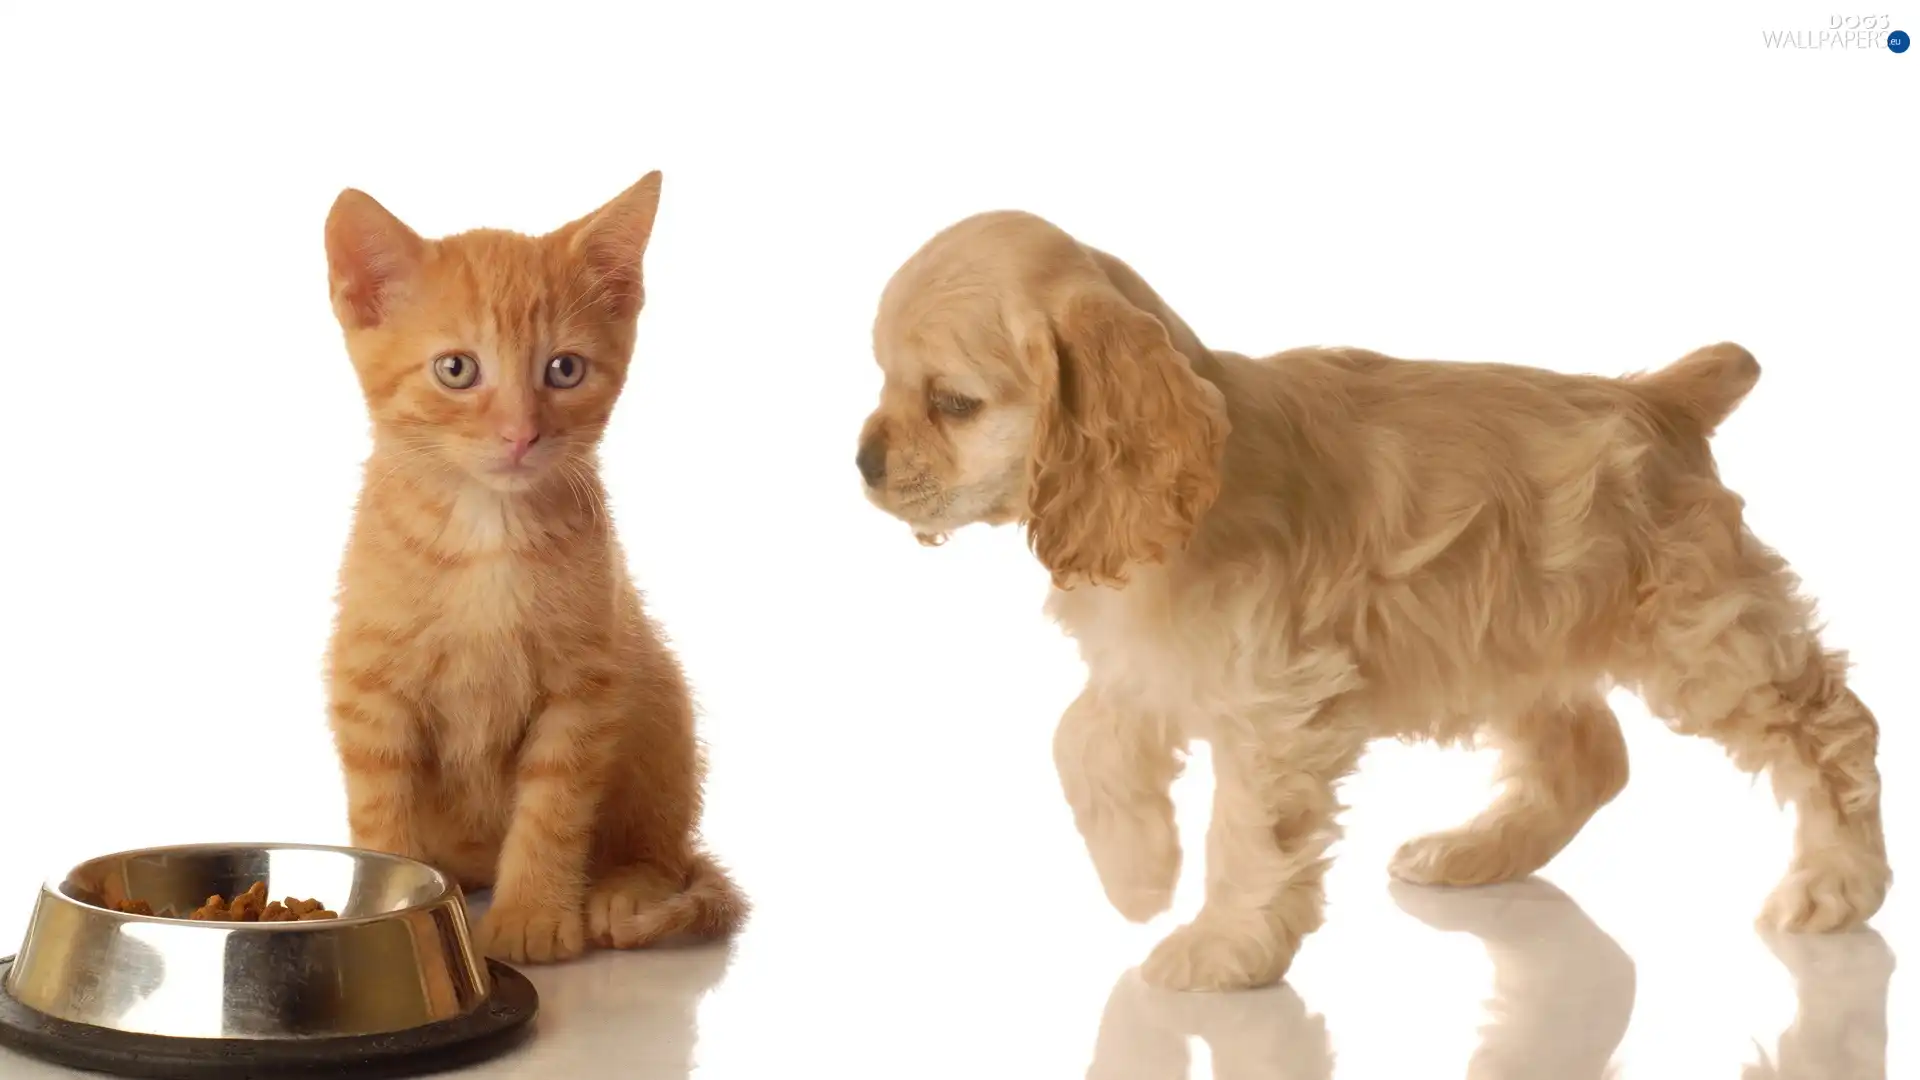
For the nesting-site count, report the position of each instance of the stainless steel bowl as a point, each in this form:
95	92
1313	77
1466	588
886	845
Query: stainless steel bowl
400	956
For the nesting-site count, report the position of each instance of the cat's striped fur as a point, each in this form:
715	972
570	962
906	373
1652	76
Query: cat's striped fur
502	706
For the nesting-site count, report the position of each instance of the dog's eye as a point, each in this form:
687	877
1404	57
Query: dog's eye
955	405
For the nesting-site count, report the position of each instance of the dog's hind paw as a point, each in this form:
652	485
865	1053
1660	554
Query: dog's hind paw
1460	857
1826	895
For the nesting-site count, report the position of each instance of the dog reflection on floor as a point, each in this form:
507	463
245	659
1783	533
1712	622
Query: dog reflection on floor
1840	986
1563	994
1562	989
1262	1034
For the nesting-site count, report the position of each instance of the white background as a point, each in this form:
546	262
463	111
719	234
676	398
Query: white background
1600	190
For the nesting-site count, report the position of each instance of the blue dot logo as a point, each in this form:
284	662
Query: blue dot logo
1898	41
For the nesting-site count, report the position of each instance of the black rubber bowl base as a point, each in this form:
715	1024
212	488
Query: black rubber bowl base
498	1025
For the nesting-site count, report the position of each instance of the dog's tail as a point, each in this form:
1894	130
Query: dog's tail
1701	389
639	911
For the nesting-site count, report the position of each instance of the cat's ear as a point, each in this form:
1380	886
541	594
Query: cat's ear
612	241
371	256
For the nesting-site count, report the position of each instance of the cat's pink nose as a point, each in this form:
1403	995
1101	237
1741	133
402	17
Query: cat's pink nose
519	443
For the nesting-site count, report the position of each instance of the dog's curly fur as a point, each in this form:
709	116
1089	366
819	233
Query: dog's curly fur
1288	557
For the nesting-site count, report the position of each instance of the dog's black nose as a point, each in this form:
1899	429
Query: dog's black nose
872	460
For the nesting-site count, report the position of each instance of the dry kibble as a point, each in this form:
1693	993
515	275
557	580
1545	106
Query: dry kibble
253	906
133	907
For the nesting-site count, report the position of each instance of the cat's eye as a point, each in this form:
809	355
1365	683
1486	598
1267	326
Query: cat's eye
456	371
565	371
956	406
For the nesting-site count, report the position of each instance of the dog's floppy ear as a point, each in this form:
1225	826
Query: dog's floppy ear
1127	447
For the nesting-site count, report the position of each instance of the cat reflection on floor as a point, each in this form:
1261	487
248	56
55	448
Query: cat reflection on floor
1563	994
640	1011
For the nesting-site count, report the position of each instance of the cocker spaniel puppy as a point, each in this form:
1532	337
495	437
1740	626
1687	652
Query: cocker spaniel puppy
1290	556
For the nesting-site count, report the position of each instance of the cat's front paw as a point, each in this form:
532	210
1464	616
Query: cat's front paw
526	934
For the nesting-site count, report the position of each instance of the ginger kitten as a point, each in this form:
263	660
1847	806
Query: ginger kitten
502	706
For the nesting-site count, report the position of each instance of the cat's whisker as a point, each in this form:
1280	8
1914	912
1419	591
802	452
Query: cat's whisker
565	470
409	454
590	474
580	477
586	294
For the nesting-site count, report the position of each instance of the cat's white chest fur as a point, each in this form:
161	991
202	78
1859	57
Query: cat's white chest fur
491	593
481	522
487	679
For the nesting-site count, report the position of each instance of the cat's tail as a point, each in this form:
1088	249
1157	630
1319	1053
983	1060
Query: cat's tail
633	910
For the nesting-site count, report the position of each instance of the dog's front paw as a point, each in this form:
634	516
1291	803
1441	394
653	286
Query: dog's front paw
530	934
1220	953
1138	862
1831	892
1139	903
